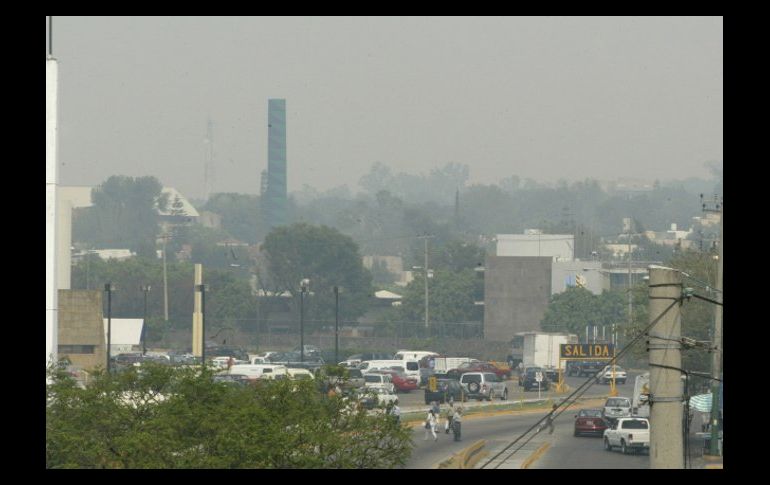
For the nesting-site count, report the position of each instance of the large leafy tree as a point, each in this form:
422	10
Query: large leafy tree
124	214
327	258
451	301
164	417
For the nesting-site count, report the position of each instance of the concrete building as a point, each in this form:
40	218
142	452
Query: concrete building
534	243
516	294
80	333
587	274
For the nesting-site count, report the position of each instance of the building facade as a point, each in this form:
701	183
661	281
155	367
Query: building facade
516	295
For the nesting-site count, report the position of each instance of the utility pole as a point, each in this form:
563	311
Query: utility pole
630	296
425	269
336	324
666	440
165	279
716	363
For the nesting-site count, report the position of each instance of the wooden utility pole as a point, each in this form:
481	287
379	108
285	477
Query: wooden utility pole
716	363
666	411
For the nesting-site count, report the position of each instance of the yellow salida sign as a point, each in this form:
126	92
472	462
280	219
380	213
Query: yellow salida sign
587	351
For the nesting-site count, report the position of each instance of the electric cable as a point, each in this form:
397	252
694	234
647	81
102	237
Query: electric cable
579	391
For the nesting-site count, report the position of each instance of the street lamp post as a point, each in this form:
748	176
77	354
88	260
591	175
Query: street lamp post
303	288
146	289
202	289
109	289
336	323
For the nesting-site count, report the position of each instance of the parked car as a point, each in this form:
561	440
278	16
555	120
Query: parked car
585	368
523	373
446	388
590	421
311	350
606	376
233	379
483	385
355	379
615	408
630	434
300	374
382	381
400	380
531	382
374	397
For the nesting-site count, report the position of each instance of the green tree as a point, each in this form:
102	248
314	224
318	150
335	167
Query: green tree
451	298
327	258
124	214
164	417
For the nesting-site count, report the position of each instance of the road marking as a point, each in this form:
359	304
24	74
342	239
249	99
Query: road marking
536	455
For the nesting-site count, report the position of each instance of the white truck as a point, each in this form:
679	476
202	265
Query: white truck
629	434
640	405
541	349
443	364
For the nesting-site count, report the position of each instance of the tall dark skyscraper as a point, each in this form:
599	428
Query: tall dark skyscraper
275	197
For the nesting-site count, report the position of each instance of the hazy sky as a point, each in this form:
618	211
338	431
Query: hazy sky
541	97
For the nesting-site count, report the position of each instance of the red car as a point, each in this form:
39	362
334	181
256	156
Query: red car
479	367
590	421
401	382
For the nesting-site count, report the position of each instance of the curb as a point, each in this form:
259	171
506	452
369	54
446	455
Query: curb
467	458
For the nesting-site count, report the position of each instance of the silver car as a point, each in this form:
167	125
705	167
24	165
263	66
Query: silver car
616	407
483	385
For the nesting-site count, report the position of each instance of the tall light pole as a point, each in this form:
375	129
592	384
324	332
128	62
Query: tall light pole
145	289
165	278
427	295
202	289
109	289
303	285
336	324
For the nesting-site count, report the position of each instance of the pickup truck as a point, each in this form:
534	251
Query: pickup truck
630	434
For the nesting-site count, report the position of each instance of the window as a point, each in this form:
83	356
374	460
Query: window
76	349
635	424
412	366
471	378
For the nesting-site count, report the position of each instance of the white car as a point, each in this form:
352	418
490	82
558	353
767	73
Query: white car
629	434
616	407
379	381
605	377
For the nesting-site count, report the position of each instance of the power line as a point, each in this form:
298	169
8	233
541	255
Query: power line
579	391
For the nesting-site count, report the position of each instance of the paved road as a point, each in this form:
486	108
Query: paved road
427	454
568	451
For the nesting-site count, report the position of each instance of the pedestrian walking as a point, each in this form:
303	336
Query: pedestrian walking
449	416
436	407
430	425
396	412
457	422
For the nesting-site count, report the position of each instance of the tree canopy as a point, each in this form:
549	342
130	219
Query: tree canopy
327	258
164	417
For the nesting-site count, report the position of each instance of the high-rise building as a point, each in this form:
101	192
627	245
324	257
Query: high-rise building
276	198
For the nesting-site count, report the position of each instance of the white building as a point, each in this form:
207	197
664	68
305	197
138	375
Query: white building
126	334
534	243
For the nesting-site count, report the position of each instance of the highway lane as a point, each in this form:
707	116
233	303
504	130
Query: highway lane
427	454
515	392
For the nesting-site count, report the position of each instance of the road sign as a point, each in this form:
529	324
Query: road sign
539	376
432	383
586	351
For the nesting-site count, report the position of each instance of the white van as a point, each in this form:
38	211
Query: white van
413	354
370	365
260	371
300	374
